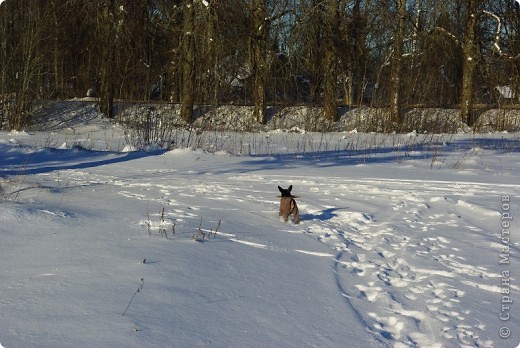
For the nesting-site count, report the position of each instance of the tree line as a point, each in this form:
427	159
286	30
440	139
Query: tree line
384	53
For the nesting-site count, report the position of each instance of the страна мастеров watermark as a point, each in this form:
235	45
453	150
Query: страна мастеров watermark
506	302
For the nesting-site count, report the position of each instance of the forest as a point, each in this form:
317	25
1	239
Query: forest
395	54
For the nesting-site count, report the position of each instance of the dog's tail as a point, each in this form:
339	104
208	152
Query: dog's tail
295	211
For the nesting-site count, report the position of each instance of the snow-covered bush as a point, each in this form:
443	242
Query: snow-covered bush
499	120
150	124
434	120
229	117
305	118
366	119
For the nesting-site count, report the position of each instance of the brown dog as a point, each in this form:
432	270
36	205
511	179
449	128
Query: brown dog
288	205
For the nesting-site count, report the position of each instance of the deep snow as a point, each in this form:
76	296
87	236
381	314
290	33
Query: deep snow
402	243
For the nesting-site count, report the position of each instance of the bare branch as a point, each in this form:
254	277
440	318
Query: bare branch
496	44
450	35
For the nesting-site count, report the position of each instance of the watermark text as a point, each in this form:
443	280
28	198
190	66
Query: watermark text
504	259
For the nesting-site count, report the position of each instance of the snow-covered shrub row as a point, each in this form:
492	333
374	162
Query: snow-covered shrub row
296	118
156	119
308	118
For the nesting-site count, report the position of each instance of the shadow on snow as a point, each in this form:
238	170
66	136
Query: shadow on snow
379	155
25	161
16	161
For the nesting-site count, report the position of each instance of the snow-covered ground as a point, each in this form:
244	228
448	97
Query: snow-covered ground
404	241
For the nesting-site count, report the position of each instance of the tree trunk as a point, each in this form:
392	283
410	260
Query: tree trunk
4	88
57	67
28	64
258	58
470	51
330	63
359	56
187	54
396	65
106	100
314	46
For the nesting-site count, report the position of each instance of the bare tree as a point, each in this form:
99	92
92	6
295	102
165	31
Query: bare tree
330	61
397	63
470	57
307	49
352	52
258	57
4	63
110	22
396	54
187	58
24	51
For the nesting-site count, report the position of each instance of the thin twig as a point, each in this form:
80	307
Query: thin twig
149	223
135	293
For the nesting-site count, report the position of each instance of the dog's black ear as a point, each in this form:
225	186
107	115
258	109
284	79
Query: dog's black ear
290	188
281	189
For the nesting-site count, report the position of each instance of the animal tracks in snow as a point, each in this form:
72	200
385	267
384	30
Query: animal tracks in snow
404	266
383	256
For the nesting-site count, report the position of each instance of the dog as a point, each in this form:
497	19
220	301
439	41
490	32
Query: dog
288	205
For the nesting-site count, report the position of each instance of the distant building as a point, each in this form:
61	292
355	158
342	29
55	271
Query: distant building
506	92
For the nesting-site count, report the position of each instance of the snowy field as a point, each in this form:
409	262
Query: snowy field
404	241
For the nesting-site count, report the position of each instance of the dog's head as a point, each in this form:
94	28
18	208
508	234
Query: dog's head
286	192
